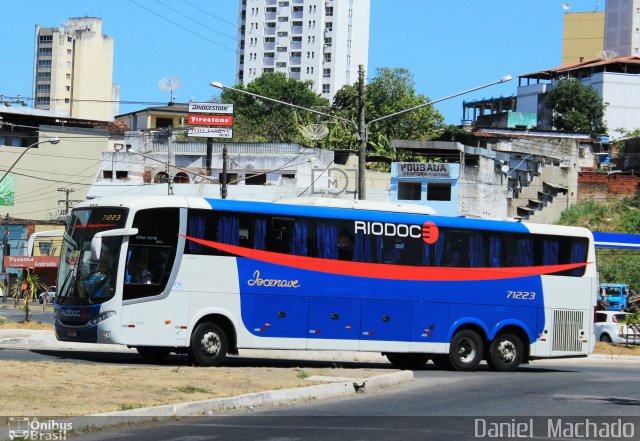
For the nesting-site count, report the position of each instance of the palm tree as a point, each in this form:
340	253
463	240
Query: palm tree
32	286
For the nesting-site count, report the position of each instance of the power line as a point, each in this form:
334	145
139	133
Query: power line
196	21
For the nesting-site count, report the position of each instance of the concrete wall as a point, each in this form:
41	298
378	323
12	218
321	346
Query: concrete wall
483	191
583	36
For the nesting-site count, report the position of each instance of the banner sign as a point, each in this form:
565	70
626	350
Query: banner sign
210	120
210	132
211	108
423	169
7	190
31	261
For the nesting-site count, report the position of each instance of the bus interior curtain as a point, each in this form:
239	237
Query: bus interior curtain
362	248
476	256
301	238
578	255
379	247
260	233
327	240
196	229
229	229
439	249
550	250
525	252
426	255
495	251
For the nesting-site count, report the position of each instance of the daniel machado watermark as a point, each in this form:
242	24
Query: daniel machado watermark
22	428
555	427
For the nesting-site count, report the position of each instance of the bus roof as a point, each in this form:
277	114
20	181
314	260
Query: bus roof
348	210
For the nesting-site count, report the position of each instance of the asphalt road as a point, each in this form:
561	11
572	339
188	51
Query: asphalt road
438	405
17	315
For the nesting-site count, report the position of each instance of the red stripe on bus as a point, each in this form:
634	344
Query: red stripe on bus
386	271
92	226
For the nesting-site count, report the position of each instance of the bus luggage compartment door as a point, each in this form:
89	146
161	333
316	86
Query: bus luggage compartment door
385	320
334	323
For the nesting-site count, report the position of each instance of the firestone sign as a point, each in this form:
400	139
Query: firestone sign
211	120
423	169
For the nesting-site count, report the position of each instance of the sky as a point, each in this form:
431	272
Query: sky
449	46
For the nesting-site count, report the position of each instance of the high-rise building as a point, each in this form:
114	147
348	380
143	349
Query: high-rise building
583	36
73	70
319	40
622	27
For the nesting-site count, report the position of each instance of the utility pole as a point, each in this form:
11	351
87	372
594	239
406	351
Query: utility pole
169	153
223	183
362	153
5	241
66	201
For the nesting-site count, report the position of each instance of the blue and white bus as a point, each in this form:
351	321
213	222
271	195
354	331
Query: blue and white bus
207	277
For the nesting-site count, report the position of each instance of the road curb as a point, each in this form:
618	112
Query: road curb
207	407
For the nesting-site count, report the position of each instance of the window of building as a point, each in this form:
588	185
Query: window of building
328	41
269	54
326	88
283	19
295	70
122	174
69	51
68	76
44	51
69	39
43	87
409	191
255	179
328	26
283	4
270	24
269	39
283	34
296	39
44	63
326	73
164	122
161	178
281	64
268	69
439	191
107	174
42	101
45	39
327	58
44	75
281	49
181	178
329	11
271	9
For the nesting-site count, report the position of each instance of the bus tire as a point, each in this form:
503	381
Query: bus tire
505	353
209	345
605	338
407	362
465	350
153	353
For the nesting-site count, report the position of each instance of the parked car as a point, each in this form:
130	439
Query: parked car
50	293
608	327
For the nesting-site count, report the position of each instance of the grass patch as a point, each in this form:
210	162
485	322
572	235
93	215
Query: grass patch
4	321
191	390
36	326
303	374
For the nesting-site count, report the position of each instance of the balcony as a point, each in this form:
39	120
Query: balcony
295	61
269	31
270	16
271	46
296	45
296	30
297	14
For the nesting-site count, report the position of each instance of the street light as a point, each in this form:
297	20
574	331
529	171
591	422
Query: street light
50	140
362	139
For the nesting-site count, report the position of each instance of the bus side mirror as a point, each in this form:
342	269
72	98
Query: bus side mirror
96	242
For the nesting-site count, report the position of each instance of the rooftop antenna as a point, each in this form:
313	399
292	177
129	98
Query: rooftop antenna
566	6
170	84
315	132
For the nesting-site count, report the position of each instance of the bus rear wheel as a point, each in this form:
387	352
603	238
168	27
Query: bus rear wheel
465	350
505	353
209	345
153	353
407	361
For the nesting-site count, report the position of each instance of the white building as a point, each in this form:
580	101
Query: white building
319	40
73	70
622	22
617	81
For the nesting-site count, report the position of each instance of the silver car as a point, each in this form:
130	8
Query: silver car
608	327
50	293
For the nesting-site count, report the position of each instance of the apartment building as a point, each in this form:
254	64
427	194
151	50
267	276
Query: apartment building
622	27
319	40
73	70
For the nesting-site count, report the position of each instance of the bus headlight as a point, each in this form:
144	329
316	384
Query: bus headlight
101	317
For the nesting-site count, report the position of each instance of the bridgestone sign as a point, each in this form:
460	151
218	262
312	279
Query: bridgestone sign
217	108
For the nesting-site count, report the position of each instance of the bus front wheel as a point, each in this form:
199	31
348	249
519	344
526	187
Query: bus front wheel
505	353
465	350
209	345
407	361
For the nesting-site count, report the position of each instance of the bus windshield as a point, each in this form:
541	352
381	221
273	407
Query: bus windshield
81	279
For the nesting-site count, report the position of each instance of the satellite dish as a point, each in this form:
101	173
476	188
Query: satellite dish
505	169
566	6
315	132
170	84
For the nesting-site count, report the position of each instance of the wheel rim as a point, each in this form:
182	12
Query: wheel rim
506	351
210	343
466	350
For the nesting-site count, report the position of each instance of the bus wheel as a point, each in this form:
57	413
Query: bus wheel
209	345
505	353
465	350
153	353
407	361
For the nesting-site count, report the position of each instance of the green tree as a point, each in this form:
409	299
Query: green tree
389	91
33	285
576	108
264	121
